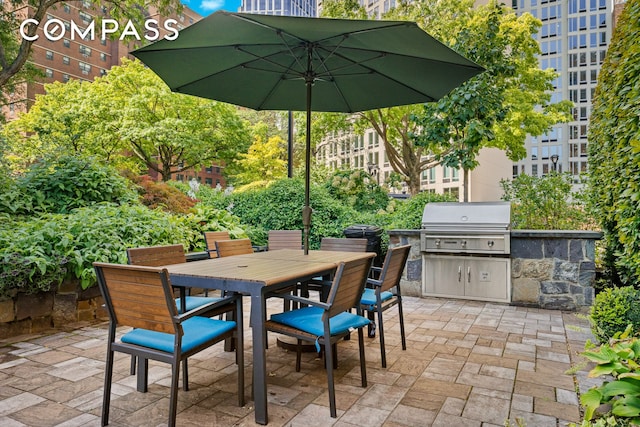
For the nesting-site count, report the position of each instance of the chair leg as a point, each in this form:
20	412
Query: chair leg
185	375
363	364
383	353
108	376
402	334
132	370
240	363
143	374
173	399
328	349
298	354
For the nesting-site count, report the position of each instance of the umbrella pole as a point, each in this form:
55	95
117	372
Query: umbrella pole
306	210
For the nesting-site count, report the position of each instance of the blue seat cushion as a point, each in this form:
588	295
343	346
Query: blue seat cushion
195	302
197	330
309	319
369	297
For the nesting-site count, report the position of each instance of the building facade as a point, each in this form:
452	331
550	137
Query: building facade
280	7
573	40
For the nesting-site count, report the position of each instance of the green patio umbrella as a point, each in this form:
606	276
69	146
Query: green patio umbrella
307	64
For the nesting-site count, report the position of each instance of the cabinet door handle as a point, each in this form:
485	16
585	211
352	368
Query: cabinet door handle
459	273
469	274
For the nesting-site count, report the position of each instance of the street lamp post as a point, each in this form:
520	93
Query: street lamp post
554	162
374	171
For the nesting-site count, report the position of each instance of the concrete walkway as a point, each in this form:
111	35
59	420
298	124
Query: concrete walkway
467	363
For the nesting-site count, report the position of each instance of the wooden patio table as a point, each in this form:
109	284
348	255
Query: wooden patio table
256	275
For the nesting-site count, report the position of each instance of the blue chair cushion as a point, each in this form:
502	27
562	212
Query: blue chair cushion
369	297
195	302
197	330
309	319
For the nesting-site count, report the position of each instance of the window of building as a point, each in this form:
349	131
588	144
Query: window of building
66	8
534	170
66	42
84	50
103	56
594	76
208	181
49	55
85	17
48	72
534	153
65	78
66	60
84	67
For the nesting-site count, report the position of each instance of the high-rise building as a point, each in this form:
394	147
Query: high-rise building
573	40
280	7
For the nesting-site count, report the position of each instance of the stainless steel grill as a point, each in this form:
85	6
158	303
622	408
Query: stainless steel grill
466	250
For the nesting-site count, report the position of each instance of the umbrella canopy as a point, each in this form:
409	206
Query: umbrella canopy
307	64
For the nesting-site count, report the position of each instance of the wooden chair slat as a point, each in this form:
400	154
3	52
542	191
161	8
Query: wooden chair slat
210	239
233	247
343	244
157	255
284	239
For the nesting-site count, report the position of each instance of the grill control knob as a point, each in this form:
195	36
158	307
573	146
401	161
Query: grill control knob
437	242
463	243
490	243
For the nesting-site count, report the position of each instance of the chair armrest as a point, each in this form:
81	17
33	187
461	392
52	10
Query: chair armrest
372	283
303	300
203	309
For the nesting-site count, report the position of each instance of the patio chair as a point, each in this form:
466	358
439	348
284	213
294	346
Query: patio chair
325	323
384	292
320	284
155	256
142	298
210	239
233	247
284	239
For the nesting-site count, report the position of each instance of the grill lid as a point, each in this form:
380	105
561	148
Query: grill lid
473	216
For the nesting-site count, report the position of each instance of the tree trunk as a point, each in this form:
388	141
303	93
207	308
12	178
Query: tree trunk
465	185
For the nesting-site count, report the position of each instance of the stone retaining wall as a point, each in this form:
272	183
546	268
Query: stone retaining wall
27	314
549	269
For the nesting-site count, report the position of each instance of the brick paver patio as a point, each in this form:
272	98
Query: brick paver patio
467	363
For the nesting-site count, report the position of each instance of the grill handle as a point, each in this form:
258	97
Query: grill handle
459	273
468	274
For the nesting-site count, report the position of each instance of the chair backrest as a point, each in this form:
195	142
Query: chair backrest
138	296
343	244
348	285
393	267
155	256
234	247
210	239
285	239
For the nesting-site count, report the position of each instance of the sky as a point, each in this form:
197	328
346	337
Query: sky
207	7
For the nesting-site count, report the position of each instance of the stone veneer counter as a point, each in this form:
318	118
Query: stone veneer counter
549	269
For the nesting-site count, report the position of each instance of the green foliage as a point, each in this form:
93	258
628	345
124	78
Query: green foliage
613	310
619	359
499	107
546	203
63	184
614	147
155	194
357	189
265	161
407	214
279	207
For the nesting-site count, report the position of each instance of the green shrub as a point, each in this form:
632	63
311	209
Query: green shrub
613	310
546	203
618	359
407	214
357	189
614	141
63	184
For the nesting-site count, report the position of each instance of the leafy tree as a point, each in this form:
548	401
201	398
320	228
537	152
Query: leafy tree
499	107
265	161
15	51
357	189
614	147
130	110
